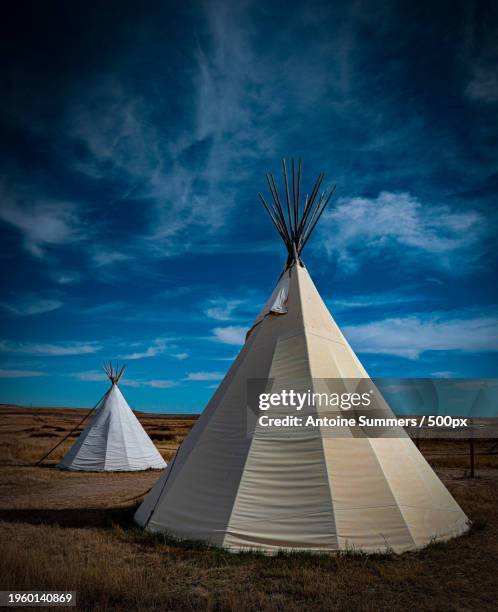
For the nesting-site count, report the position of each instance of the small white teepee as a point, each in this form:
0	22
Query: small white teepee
235	485
114	440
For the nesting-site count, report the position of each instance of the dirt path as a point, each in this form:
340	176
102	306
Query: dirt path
69	499
30	487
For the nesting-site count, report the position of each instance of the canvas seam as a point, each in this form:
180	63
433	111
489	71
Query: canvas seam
227	527
329	482
393	494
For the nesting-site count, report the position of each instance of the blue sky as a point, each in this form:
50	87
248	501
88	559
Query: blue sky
134	140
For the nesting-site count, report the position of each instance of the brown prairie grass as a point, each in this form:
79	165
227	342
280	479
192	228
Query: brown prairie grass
120	567
69	531
26	434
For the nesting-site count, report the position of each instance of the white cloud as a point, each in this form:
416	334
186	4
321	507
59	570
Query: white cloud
483	86
152	384
358	228
49	350
103	257
231	103
411	336
31	305
374	300
101	309
42	223
20	373
174	292
159	346
204	376
222	310
66	277
152	351
100	376
115	136
232	334
116	127
90	376
160	384
188	172
180	356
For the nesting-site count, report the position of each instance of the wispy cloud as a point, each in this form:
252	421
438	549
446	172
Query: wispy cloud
204	376
238	307
31	305
99	376
160	384
222	310
152	384
232	103
110	132
66	277
413	335
41	223
484	85
90	376
159	346
21	373
232	334
103	257
107	307
171	293
374	300
112	178
481	62
398	223
50	350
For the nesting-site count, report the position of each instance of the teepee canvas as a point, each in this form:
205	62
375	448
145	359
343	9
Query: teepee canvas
234	485
114	440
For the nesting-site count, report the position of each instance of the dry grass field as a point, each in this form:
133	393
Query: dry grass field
73	531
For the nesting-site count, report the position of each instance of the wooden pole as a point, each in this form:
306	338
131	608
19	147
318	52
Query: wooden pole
274	220
287	196
276	200
313	215
318	217
298	187
294	203
281	210
295	228
121	373
309	206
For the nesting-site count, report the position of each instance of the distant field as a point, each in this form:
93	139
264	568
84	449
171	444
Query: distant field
28	433
74	531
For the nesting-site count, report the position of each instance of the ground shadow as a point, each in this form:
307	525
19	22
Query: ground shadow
71	517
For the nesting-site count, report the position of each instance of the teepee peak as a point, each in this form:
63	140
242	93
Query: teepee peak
296	228
113	372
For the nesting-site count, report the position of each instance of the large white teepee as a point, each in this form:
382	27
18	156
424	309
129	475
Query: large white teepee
114	440
233	485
